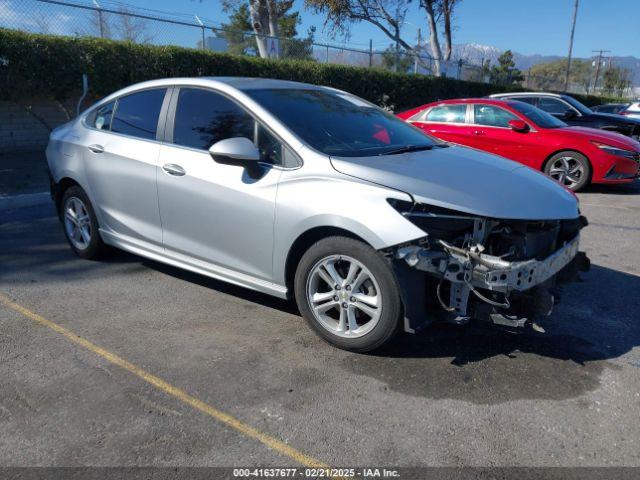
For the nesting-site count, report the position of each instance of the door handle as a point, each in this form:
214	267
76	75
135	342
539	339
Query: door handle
173	169
478	132
95	148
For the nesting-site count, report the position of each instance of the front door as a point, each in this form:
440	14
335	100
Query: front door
211	211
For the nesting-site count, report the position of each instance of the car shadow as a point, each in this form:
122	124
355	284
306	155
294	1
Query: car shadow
623	189
269	301
595	324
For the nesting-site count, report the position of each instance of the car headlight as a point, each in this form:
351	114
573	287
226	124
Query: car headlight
620	152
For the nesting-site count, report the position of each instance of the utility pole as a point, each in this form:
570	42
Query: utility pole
573	29
370	53
598	63
415	62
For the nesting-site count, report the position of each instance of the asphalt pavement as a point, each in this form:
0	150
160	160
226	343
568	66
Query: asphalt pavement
240	380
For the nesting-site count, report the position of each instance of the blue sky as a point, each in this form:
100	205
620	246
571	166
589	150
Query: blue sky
533	26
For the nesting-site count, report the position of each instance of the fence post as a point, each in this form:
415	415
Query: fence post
100	19
202	27
370	53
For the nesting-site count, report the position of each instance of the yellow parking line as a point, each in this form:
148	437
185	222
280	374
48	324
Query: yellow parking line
271	442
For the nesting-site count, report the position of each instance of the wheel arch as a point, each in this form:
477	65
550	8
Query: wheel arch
302	243
62	186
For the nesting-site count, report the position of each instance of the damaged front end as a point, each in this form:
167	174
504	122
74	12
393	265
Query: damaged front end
505	272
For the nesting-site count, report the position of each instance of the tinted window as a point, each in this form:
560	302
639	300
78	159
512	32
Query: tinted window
491	116
340	124
269	146
447	114
204	118
530	100
552	105
100	118
137	114
537	116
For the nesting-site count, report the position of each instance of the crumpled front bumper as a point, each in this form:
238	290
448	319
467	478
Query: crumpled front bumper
490	280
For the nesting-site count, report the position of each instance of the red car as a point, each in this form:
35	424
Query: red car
574	156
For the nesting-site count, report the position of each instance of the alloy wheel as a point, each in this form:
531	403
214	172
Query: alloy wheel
77	223
344	296
567	171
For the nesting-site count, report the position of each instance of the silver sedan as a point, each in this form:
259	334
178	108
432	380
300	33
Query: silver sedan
310	192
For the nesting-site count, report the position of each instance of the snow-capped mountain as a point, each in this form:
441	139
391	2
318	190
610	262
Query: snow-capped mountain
475	53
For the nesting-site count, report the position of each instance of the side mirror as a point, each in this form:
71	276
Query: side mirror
569	114
519	126
235	150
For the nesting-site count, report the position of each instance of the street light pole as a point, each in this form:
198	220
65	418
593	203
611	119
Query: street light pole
573	29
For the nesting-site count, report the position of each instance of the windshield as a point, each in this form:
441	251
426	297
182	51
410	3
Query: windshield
537	116
341	124
577	105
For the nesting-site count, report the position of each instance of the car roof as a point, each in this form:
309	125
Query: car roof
485	100
526	94
239	83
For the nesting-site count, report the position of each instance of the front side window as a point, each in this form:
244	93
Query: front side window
491	116
447	114
336	123
204	118
137	114
100	118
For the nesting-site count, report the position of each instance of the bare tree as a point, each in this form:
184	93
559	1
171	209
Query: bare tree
388	16
131	28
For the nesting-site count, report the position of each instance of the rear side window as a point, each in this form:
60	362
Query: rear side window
204	118
137	114
100	118
552	105
491	116
447	114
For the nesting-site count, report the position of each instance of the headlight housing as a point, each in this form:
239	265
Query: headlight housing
438	222
619	152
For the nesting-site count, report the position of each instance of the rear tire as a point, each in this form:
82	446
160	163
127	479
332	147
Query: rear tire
571	169
80	224
348	294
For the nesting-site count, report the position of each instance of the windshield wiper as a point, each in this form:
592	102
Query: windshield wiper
411	148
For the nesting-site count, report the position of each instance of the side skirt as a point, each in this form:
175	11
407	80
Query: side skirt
161	255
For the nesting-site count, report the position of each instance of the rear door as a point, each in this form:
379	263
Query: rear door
122	150
447	122
216	212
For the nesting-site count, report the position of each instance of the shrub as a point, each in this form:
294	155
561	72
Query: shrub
36	65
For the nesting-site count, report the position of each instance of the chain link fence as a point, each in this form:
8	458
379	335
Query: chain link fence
119	21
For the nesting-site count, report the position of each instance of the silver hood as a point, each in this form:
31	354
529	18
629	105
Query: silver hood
468	181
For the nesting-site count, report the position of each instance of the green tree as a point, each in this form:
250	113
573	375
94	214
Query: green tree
241	40
235	32
505	73
405	62
550	76
616	80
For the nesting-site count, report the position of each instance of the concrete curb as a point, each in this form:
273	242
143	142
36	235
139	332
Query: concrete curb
25	200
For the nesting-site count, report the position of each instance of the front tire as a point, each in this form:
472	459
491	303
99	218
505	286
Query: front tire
348	294
81	224
571	169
